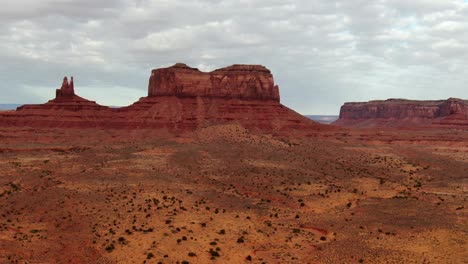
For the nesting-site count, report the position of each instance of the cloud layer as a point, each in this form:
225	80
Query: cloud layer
322	52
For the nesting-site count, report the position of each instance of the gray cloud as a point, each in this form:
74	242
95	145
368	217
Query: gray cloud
321	52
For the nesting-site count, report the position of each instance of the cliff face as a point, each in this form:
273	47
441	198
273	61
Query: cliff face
237	81
399	112
179	98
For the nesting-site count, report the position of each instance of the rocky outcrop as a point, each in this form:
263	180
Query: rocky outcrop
66	110
252	82
65	99
452	112
179	98
66	91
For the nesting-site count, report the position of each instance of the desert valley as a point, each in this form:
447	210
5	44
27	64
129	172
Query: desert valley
210	167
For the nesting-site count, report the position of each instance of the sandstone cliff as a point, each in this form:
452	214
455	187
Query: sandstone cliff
237	81
452	112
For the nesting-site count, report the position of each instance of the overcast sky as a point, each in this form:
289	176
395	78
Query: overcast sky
322	52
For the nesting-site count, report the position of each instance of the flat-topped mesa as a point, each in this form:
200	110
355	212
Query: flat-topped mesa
401	112
66	91
251	82
454	106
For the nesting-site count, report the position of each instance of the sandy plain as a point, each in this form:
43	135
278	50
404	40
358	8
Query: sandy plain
223	194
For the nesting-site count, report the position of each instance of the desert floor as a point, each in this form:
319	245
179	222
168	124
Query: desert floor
223	194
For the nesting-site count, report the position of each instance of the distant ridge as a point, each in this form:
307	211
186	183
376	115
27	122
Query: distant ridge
324	119
450	113
9	106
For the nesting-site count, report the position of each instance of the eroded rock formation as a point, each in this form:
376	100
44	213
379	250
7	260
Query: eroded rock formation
65	99
179	98
237	81
399	112
66	91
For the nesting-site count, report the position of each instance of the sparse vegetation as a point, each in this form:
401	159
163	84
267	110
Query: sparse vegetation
163	201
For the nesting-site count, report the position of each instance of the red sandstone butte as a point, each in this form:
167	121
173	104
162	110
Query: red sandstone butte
450	113
65	99
237	81
179	98
66	110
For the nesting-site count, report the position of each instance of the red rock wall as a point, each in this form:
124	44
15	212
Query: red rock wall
237	81
398	112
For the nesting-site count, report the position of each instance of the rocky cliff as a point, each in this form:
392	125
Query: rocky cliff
452	112
238	81
179	98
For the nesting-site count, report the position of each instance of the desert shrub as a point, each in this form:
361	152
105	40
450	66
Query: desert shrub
110	248
213	253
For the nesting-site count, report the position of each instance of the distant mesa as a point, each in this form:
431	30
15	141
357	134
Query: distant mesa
179	98
451	113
